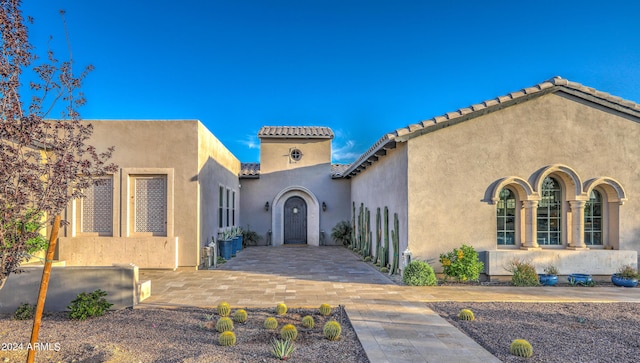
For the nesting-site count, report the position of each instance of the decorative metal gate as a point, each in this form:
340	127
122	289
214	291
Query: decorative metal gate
295	221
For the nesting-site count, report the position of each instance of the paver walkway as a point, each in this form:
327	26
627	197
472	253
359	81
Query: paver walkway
393	322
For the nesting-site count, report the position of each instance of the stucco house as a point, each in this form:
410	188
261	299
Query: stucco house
549	173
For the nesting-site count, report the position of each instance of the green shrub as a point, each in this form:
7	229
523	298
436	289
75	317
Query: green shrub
308	322
281	309
384	270
524	273
282	349
88	305
466	314
240	316
271	323
24	312
341	232
462	264
325	309
289	332
223	309
332	330
521	348
224	324
227	338
419	273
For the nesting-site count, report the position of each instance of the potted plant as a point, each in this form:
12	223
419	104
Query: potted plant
238	238
549	277
626	276
581	279
225	244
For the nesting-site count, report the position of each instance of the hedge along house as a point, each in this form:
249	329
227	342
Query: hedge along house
294	195
176	188
550	174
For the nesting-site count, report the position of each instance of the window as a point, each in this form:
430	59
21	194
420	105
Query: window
549	216
506	213
593	219
221	207
233	208
227	209
295	154
149	198
96	209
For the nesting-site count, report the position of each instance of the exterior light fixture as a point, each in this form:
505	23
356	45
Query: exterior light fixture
324	206
266	206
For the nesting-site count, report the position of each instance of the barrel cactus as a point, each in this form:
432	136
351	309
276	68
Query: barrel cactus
281	309
270	323
240	316
227	338
289	332
224	309
224	324
521	348
325	309
332	330
308	322
466	314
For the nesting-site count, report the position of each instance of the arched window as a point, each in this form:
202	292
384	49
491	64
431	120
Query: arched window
549	217
593	219
506	214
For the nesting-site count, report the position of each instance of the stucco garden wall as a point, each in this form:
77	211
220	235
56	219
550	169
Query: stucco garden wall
384	184
452	169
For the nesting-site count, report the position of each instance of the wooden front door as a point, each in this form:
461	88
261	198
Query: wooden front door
295	221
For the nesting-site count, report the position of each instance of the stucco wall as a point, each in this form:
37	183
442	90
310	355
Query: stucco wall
384	184
274	153
316	179
145	146
217	167
451	169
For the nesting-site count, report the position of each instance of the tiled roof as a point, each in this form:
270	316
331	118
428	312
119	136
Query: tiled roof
337	170
389	140
304	132
249	170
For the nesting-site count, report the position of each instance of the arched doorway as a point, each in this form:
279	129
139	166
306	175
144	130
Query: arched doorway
295	221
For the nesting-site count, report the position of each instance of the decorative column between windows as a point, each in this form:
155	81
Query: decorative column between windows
530	226
577	225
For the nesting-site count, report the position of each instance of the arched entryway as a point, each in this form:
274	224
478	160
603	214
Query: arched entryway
295	221
279	217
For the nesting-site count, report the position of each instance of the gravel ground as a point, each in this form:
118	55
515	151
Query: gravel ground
173	335
561	332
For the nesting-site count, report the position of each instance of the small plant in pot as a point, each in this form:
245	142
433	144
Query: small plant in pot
549	277
626	276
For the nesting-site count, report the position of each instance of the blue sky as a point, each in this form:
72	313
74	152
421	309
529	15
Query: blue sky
363	68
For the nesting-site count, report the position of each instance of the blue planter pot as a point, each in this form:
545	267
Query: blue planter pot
548	280
580	279
225	248
234	246
239	243
623	281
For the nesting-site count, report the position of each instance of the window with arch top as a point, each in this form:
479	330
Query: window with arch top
506	218
593	219
549	215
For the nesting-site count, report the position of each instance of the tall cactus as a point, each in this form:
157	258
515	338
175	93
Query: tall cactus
378	235
366	250
353	224
396	245
360	227
384	256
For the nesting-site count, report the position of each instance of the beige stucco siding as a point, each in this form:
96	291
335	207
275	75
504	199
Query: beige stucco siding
384	184
274	153
146	147
451	170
